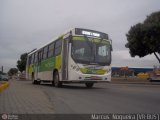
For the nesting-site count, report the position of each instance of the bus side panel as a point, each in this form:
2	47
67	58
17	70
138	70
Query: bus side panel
45	69
46	75
58	60
58	65
30	70
27	72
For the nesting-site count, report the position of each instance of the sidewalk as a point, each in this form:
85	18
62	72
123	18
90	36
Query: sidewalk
24	98
122	80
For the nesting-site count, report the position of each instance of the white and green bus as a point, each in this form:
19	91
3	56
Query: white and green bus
79	56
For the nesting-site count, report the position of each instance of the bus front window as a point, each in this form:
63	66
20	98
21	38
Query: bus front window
103	54
91	52
82	52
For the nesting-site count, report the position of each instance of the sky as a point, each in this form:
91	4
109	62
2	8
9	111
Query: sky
28	24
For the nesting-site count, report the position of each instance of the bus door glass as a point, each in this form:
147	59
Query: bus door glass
65	59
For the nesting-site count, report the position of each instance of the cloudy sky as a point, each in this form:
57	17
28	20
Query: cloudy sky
28	24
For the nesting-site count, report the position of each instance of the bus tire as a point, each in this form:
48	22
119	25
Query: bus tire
38	82
89	85
53	83
53	80
35	81
57	83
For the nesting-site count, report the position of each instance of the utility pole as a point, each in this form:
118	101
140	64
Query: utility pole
2	69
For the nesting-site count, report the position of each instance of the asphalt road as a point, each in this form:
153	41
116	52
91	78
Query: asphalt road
76	98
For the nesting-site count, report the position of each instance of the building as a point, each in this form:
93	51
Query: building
126	71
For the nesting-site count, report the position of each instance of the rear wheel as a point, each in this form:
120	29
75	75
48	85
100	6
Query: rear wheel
57	83
53	80
53	83
89	85
39	82
35	81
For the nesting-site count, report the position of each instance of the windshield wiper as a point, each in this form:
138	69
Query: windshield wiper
93	50
90	44
86	39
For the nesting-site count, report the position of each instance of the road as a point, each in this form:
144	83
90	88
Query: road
23	97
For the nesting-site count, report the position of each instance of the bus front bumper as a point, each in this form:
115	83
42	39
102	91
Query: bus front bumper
85	81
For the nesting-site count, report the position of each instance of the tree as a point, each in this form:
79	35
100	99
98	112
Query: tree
12	71
21	64
144	38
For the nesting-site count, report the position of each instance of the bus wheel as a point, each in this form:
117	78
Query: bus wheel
39	82
57	83
53	83
33	80
89	85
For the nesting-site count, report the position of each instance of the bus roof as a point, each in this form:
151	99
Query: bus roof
53	39
75	31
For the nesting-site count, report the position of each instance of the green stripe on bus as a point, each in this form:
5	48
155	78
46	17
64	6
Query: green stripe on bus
93	71
58	62
47	64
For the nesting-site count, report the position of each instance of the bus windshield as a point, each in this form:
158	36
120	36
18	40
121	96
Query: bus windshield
91	51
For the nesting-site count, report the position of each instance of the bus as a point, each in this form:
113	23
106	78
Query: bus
78	56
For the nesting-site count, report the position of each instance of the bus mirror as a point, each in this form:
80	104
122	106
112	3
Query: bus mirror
111	44
70	39
111	48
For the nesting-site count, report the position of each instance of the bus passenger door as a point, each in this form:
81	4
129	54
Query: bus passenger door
65	59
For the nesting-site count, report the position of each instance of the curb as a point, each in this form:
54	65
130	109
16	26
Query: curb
140	83
3	86
130	83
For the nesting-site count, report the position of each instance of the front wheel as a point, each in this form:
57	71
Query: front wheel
89	85
57	83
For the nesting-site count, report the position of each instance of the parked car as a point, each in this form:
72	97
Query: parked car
4	77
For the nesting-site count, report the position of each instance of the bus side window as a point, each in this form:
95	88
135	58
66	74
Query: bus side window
39	56
58	46
36	57
45	52
51	50
32	59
